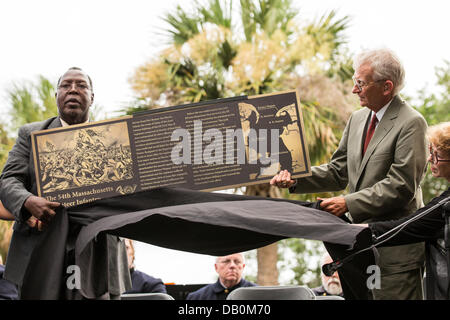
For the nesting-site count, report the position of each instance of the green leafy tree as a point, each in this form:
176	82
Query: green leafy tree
32	102
435	109
6	143
304	261
29	102
210	55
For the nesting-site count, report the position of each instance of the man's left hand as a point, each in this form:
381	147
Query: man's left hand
335	205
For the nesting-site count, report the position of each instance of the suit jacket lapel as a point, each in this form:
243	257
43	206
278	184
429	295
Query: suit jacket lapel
383	128
56	123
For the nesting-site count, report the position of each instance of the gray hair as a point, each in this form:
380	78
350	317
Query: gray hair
385	64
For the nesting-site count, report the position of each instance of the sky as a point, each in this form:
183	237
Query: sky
110	39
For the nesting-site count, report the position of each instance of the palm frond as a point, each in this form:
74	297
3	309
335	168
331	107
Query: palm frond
216	13
46	92
329	29
183	26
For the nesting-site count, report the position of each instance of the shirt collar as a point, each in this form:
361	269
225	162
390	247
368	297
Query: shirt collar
381	112
65	124
219	287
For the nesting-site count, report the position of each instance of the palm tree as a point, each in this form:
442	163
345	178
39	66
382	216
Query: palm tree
210	56
32	102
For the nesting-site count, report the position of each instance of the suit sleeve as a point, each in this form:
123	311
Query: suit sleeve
15	176
427	228
401	184
154	285
332	176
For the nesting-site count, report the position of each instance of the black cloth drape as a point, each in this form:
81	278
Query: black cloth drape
194	221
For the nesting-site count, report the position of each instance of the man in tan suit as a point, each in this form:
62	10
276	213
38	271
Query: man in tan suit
381	158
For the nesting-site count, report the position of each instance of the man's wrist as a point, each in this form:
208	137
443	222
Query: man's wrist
24	213
292	188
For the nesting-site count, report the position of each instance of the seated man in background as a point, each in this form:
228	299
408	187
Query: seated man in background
141	282
229	268
331	286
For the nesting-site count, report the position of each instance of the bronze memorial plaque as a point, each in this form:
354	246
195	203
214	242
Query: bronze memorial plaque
210	145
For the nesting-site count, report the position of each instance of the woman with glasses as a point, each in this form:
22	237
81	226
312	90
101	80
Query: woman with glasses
429	228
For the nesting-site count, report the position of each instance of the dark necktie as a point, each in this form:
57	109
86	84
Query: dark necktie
370	132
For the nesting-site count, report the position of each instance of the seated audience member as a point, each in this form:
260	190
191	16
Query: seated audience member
141	282
331	286
229	268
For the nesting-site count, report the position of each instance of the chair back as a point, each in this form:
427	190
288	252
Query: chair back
272	293
329	298
146	296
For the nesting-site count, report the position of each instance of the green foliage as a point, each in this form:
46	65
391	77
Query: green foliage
29	102
435	109
32	102
183	26
266	16
6	144
216	13
304	262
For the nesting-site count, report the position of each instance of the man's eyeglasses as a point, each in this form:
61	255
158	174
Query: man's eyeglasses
435	158
361	84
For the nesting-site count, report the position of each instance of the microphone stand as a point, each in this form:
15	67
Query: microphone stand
330	268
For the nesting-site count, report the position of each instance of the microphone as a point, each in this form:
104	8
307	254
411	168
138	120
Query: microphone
330	268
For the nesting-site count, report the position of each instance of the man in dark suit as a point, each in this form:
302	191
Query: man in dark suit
381	158
229	268
18	191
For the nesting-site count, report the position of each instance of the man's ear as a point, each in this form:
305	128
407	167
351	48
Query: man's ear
388	87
